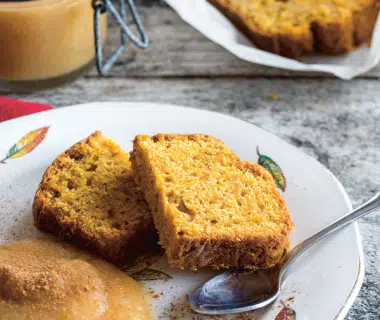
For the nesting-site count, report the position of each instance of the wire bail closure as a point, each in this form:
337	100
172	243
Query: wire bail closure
102	6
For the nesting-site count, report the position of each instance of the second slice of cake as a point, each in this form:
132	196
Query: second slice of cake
210	208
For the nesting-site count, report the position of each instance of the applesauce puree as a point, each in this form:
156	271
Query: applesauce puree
43	39
42	278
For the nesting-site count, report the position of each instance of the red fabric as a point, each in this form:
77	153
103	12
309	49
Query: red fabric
10	108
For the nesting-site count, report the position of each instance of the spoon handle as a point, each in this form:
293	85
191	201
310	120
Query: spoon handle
359	212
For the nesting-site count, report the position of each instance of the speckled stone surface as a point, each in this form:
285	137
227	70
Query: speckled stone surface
336	122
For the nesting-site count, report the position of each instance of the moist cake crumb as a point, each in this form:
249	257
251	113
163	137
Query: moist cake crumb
210	208
88	196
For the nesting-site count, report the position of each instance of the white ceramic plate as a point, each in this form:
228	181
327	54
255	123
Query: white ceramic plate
322	284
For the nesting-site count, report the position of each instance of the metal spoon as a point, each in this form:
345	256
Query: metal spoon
244	290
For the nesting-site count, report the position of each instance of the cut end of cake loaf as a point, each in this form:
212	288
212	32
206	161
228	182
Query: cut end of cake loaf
88	195
292	28
210	208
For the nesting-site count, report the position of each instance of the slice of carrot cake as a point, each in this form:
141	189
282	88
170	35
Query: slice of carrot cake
210	208
88	196
293	28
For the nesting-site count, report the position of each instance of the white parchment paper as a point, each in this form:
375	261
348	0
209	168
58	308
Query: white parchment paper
214	25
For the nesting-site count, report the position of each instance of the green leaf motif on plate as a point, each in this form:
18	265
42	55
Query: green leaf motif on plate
12	151
286	313
150	274
273	168
139	264
140	271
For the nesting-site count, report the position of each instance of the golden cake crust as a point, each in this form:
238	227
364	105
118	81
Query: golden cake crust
296	27
88	196
209	207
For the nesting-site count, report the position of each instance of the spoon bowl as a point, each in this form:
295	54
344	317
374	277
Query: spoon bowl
243	290
237	290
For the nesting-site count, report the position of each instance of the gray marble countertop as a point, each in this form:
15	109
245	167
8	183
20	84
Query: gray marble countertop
337	122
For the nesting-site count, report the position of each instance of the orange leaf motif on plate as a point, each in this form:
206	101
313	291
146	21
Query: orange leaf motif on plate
26	144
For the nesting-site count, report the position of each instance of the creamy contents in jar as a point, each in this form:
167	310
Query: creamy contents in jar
42	278
44	39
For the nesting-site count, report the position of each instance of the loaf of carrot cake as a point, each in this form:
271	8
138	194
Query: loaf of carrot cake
295	27
210	208
88	196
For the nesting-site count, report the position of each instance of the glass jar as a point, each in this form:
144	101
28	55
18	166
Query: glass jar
44	43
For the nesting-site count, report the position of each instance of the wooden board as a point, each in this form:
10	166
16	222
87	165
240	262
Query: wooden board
178	50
